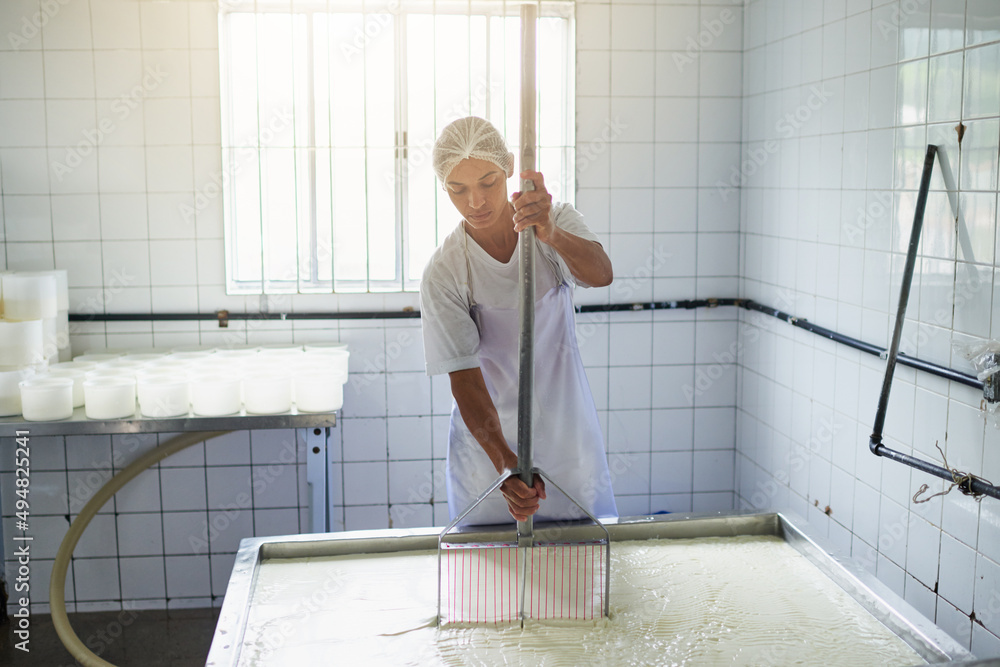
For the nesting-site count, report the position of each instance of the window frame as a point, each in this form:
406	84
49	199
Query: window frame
402	282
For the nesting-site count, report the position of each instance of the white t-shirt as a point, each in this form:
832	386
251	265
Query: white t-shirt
451	339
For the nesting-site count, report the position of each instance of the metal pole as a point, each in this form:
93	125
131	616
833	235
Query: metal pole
974	484
526	261
904	297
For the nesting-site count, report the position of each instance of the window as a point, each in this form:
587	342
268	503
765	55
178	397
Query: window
330	110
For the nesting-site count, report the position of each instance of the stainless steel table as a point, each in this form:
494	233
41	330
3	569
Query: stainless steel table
78	424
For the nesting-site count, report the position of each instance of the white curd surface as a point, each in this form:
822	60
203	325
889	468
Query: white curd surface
745	600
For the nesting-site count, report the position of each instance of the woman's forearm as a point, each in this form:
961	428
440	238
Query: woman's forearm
480	416
586	259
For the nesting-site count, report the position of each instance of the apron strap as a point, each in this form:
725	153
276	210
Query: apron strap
468	267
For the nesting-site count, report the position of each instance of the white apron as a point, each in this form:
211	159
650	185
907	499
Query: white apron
567	444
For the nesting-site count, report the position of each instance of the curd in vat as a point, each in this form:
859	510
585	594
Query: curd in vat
747	600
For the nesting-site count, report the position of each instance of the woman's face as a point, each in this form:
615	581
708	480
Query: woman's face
478	189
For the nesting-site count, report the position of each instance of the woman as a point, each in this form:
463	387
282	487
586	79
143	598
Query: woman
469	301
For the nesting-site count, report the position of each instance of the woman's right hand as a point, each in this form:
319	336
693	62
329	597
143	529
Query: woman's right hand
522	500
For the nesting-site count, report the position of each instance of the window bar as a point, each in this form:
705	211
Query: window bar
489	63
260	161
569	119
401	160
364	140
969	484
265	153
468	46
226	103
330	140
436	120
311	139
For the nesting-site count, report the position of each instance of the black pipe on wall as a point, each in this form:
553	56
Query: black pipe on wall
967	483
682	304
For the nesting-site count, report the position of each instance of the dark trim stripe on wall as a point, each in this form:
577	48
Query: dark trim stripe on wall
224	316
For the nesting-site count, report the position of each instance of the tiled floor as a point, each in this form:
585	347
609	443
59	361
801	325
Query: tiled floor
146	638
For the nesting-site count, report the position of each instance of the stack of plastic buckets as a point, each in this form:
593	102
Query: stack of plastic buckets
38	381
34	332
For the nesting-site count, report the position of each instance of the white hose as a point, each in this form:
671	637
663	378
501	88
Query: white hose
57	585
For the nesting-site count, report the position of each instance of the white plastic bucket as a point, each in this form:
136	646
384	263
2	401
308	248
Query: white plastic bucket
110	371
30	295
21	343
10	391
267	393
316	392
214	395
130	367
84	366
280	348
196	355
78	376
109	397
167	367
62	336
325	346
164	394
237	352
184	349
144	357
332	362
46	398
99	358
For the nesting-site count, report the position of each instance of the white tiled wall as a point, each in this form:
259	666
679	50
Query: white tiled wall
657	119
840	100
170	536
657	126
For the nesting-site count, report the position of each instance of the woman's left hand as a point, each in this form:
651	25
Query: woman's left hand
531	208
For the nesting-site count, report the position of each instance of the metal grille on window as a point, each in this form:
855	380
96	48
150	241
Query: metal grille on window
330	110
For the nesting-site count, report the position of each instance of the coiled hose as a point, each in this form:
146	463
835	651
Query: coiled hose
57	585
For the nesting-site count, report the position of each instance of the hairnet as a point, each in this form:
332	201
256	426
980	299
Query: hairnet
470	137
